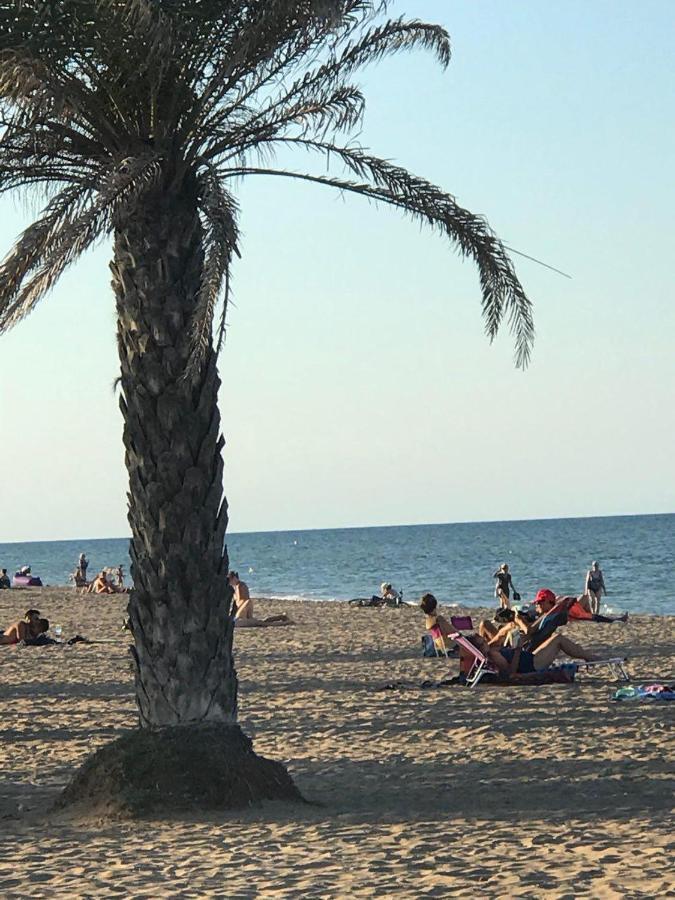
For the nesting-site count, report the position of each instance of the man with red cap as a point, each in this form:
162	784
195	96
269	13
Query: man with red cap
578	608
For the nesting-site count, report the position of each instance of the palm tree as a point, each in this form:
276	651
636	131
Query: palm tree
138	119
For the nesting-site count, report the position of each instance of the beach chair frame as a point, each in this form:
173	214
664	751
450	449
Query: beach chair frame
481	664
440	644
615	665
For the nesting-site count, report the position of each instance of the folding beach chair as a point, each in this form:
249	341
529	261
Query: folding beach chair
480	665
440	644
615	665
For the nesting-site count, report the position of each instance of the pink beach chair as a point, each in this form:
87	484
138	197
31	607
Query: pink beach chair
462	623
480	665
440	643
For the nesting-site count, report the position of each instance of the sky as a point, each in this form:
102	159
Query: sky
358	385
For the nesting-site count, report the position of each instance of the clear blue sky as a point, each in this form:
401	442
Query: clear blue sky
358	387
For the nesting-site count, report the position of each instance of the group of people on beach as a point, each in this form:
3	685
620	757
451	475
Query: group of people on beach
594	587
107	581
523	641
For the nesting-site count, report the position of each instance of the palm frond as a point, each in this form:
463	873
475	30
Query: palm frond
219	215
73	222
502	293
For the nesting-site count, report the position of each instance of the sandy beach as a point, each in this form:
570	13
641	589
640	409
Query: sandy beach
552	791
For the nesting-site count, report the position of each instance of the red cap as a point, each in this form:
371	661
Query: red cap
544	595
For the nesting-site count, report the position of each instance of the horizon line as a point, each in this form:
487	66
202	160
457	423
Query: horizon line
365	527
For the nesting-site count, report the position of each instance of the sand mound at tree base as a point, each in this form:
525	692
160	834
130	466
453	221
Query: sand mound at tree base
148	774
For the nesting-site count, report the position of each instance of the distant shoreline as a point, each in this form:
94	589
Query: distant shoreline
337	528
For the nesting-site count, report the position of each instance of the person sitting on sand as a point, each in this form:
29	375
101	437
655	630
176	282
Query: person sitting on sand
432	618
241	598
24	630
4	580
78	581
100	585
389	594
243	605
39	637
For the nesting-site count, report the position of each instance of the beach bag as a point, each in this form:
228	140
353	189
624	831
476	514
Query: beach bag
428	646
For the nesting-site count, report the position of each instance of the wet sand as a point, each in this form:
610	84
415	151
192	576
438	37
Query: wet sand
552	791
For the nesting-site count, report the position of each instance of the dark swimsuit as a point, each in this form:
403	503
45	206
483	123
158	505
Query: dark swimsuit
525	663
503	581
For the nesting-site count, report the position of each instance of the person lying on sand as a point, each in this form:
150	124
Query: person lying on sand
243	605
579	608
40	638
29	628
512	660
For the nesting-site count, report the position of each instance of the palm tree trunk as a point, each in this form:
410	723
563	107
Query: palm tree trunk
179	605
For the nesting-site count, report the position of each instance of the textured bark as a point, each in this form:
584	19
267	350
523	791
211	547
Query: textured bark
180	602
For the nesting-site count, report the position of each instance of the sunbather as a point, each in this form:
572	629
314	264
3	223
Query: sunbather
578	608
24	630
40	638
510	660
504	631
243	605
241	599
429	606
101	585
389	594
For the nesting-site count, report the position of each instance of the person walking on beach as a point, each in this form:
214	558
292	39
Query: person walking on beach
504	586
4	580
595	586
82	565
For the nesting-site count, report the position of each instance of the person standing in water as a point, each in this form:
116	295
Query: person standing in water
595	586
504	585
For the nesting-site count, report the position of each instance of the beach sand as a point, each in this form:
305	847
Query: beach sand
553	792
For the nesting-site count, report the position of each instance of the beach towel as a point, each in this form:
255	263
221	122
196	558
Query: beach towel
646	692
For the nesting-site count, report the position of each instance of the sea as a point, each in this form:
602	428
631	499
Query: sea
455	562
